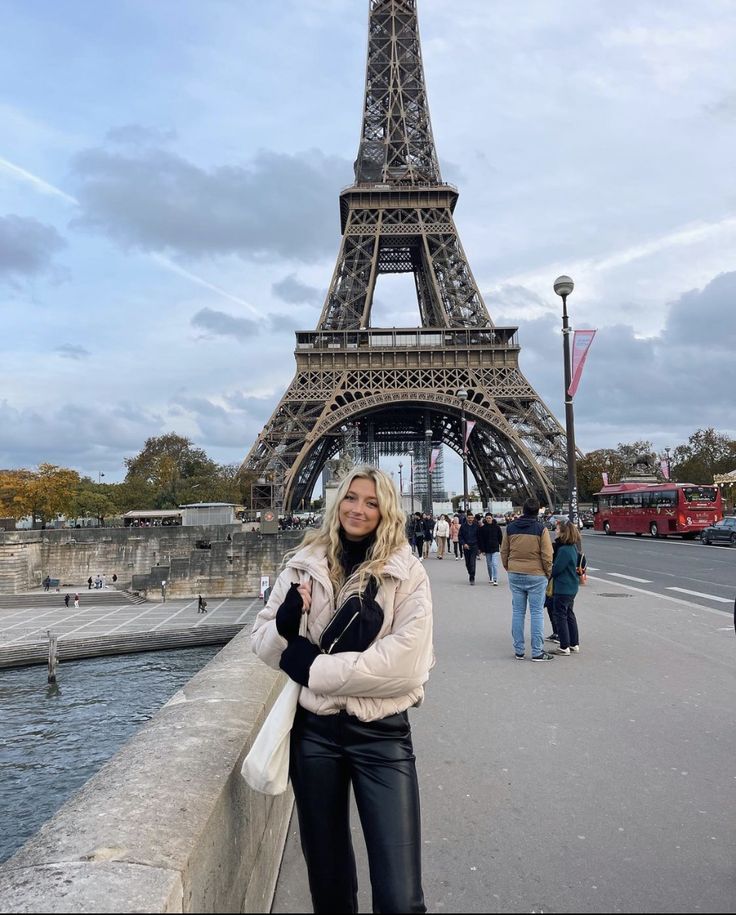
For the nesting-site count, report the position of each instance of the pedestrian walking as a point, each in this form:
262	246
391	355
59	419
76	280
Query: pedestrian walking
66	600
418	535
468	539
526	554
490	538
455	536
76	600
89	583
441	534
46	583
361	669
428	525
566	583
201	605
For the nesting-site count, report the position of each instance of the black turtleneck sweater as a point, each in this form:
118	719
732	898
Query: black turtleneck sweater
354	551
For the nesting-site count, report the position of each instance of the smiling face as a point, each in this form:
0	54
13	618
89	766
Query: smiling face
359	514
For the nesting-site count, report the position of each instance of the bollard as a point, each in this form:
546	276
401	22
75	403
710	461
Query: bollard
266	594
53	656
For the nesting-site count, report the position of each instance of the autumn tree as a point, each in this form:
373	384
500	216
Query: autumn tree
13	486
44	494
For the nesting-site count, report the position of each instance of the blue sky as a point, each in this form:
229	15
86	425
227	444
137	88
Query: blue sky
169	179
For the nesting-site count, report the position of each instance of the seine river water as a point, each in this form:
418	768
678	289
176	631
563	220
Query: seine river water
52	740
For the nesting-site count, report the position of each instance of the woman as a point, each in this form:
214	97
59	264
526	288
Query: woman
441	533
455	535
565	586
549	601
361	668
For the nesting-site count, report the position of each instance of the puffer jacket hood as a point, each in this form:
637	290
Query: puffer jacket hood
386	678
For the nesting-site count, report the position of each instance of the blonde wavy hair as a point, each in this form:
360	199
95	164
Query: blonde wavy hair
390	535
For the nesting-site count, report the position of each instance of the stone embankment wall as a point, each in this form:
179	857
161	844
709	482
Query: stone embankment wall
168	824
192	560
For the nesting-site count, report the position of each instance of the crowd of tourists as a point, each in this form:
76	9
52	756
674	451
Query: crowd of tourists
542	573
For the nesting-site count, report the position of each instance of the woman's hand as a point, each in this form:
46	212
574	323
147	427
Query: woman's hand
289	614
305	590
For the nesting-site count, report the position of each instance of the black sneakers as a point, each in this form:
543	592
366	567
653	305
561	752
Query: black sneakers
544	656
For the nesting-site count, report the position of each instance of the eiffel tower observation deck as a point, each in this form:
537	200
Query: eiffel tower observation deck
366	391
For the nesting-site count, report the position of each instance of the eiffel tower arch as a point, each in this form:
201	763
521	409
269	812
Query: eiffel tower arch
391	388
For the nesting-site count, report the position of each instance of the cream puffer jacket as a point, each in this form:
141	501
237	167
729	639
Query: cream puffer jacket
386	678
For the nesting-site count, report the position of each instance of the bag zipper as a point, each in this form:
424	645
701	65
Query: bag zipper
336	640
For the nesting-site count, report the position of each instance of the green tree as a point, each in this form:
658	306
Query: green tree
170	471
94	500
705	454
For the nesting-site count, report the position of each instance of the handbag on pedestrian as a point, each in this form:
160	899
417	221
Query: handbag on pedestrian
266	767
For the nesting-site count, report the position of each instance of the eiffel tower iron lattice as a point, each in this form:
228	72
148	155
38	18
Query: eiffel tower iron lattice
395	389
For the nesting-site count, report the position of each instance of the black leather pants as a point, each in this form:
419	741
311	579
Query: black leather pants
328	754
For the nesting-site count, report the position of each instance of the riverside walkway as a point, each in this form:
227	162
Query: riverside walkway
109	622
600	782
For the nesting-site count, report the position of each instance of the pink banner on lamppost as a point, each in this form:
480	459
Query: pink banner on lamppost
469	426
581	341
435	455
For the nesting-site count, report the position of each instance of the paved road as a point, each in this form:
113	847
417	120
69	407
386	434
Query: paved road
602	782
687	569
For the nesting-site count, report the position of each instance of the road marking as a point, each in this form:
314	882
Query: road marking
722	600
672	600
173	615
643	581
247	610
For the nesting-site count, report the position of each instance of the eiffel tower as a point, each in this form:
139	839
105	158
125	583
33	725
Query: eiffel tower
391	390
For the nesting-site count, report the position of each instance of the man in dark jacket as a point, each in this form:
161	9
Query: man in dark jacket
417	531
468	540
526	553
490	537
428	525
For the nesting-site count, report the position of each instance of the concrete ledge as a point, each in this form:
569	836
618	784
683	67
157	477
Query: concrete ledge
168	824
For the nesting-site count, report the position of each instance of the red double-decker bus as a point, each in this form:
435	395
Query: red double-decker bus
658	509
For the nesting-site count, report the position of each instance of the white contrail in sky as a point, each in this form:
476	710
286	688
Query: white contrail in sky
17	172
685	235
175	268
44	187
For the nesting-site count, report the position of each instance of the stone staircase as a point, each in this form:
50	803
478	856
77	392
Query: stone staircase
87	597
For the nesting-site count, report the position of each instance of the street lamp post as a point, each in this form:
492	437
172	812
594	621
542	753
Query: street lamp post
463	395
401	485
411	480
428	436
669	469
563	286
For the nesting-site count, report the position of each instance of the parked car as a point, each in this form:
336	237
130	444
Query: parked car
721	532
550	522
587	518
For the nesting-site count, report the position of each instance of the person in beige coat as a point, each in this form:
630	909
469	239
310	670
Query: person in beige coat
363	663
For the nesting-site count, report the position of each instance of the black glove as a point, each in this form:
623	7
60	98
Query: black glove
297	658
289	614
